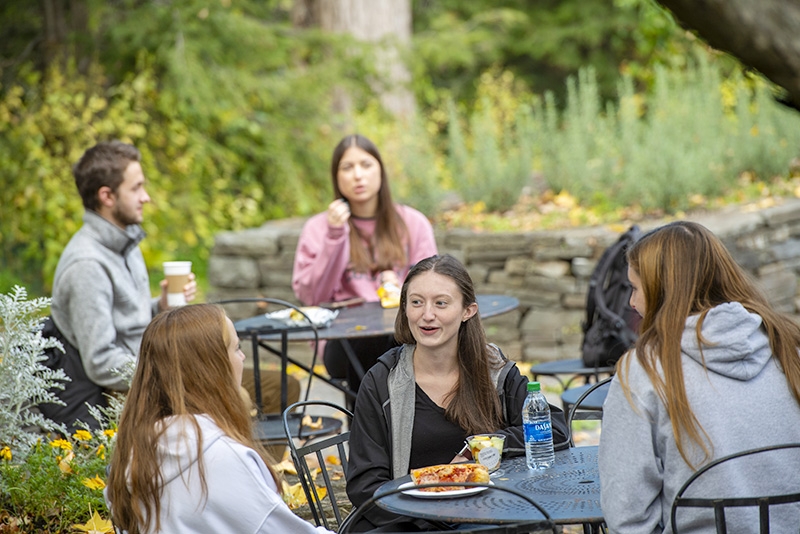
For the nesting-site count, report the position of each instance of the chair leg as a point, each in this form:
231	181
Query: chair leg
719	519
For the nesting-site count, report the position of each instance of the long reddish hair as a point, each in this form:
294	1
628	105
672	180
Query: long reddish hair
686	270
183	370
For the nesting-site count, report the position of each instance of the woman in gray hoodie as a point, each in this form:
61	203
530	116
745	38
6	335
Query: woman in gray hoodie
715	371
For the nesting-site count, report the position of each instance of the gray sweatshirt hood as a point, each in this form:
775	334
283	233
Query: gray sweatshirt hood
735	343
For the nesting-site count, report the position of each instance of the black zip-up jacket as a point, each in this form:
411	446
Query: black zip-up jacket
371	440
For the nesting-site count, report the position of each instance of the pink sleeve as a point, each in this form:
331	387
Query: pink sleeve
321	258
421	241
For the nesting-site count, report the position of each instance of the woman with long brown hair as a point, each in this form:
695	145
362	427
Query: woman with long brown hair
422	399
715	371
185	459
363	240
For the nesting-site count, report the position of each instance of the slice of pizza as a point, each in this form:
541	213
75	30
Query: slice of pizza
449	473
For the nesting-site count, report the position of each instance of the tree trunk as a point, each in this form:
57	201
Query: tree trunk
387	23
762	34
55	30
66	21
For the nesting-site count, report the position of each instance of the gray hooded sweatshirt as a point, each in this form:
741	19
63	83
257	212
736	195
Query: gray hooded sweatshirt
742	401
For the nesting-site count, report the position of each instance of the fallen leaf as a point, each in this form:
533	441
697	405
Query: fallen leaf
63	464
285	466
95	525
295	497
310	423
332	459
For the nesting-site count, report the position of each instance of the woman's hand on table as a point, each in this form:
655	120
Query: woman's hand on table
464	455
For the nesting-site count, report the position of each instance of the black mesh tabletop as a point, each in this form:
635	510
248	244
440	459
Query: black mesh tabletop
569	491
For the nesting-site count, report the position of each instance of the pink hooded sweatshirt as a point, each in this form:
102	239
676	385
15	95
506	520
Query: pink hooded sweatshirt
321	263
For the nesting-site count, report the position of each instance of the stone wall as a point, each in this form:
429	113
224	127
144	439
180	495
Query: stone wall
548	271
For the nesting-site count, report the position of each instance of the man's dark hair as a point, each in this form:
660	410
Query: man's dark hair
102	165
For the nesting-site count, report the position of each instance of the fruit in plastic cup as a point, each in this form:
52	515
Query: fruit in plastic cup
487	449
177	275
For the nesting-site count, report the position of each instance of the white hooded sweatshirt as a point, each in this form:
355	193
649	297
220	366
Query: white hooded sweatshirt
242	497
742	401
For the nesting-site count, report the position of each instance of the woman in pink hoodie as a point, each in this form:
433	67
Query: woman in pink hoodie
362	240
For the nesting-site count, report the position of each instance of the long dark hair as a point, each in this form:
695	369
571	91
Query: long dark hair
387	249
474	404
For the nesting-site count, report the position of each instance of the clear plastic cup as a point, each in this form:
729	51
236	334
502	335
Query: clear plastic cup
487	449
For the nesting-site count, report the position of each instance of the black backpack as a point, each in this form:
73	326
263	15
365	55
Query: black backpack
611	325
78	392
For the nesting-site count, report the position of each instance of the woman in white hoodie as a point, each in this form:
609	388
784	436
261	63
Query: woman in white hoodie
185	458
715	371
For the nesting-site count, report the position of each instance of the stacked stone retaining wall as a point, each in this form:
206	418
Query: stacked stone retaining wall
548	271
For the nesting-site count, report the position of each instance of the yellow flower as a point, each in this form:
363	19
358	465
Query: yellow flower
109	432
101	452
5	453
61	444
95	483
82	435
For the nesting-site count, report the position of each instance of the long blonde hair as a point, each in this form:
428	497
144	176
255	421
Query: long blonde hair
686	270
183	369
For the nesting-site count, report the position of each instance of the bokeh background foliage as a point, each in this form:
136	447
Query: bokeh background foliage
604	104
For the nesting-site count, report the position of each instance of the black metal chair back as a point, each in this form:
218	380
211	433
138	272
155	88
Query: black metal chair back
537	525
315	449
721	504
574	412
260	302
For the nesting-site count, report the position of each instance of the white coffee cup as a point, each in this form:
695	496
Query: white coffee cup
177	275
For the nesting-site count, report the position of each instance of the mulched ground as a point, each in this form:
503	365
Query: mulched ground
341	498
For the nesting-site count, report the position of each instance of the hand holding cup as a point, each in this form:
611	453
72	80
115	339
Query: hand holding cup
179	285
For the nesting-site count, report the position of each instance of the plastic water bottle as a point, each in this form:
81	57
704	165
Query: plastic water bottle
538	429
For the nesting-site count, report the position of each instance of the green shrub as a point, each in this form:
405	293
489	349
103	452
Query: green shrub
45	485
57	483
492	161
695	134
26	381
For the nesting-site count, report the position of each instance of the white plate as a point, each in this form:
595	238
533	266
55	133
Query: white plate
440	494
320	317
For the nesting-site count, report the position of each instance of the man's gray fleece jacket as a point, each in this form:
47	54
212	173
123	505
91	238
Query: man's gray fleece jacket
101	297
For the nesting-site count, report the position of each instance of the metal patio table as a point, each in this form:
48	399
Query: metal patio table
569	491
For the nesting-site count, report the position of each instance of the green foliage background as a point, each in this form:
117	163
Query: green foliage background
235	112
